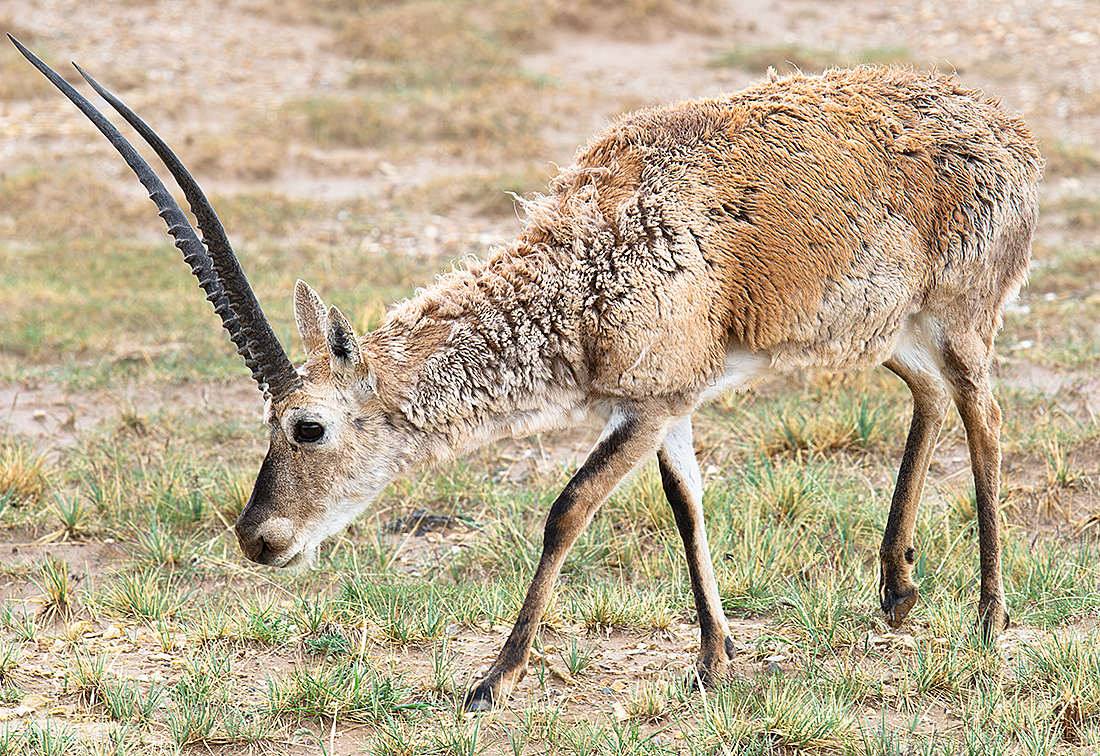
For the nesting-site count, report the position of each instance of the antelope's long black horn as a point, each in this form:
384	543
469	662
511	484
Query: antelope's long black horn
218	271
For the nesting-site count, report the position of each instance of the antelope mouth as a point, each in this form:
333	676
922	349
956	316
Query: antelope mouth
271	542
278	559
297	559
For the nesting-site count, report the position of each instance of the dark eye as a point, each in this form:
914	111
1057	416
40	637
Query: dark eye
307	432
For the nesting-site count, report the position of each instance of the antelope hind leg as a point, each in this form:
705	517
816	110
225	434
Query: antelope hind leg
897	591
967	370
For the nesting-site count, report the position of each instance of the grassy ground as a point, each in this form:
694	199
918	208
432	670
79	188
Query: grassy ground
130	623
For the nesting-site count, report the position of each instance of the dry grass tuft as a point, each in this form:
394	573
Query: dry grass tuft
425	43
58	586
25	475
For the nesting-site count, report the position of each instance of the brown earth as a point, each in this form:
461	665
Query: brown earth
226	62
229	61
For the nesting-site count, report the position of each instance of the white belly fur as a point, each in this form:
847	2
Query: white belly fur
742	370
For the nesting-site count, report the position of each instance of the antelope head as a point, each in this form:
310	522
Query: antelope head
333	447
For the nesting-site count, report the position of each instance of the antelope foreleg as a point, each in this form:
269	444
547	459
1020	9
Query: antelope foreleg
684	491
627	441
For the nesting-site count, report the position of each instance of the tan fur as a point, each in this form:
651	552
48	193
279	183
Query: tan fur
861	217
841	221
634	282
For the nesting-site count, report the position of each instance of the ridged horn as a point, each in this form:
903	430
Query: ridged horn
217	270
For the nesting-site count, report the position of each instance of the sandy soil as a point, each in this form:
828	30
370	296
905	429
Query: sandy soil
226	61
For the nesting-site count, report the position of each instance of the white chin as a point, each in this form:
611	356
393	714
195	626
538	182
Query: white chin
302	559
294	561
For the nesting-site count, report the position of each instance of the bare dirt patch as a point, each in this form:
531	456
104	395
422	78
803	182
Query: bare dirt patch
210	74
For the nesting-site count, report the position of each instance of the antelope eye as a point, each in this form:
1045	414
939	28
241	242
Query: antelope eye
307	432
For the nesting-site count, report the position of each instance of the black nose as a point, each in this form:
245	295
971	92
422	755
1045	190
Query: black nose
252	544
261	544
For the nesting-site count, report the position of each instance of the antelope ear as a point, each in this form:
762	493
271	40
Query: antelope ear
343	346
311	317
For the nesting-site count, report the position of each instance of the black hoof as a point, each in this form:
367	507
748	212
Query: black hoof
476	704
707	676
709	680
897	606
993	621
480	698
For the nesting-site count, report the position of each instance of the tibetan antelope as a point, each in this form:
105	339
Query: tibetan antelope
862	217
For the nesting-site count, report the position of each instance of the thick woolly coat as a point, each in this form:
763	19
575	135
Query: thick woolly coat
802	221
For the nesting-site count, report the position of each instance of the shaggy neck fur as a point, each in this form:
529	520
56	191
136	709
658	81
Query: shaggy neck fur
488	352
